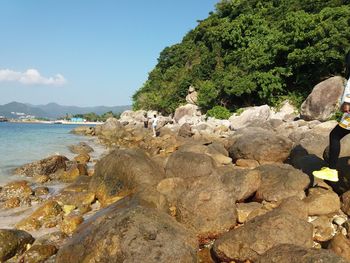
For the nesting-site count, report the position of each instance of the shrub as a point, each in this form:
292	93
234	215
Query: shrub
219	112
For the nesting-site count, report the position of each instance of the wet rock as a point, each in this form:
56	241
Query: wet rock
189	165
46	166
83	130
13	242
262	233
38	254
122	171
41	179
12	202
260	145
19	189
323	100
71	223
45	215
340	245
80	148
39	191
73	172
82	158
288	253
73	198
134	234
322	202
56	238
279	181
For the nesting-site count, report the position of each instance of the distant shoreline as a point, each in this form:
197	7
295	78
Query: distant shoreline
57	122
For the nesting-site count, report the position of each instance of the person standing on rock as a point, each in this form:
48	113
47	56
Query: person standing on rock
343	128
154	125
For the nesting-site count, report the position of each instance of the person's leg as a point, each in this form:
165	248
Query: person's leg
154	131
334	144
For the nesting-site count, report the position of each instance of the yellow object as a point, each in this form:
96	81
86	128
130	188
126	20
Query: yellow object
327	174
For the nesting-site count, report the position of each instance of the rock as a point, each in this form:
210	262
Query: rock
286	112
172	188
261	234
188	113
323	229
185	131
46	166
71	223
279	181
244	209
83	130
20	189
192	96
112	129
13	242
75	199
207	206
55	238
82	158
38	254
122	171
247	163
250	115
134	234
322	202
12	202
294	206
80	148
288	253
345	207
340	245
180	164
39	191
41	179
242	183
44	215
322	102
260	145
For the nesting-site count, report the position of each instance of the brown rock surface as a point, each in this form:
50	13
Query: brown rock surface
128	232
46	166
322	201
279	181
288	253
13	242
38	254
340	245
262	233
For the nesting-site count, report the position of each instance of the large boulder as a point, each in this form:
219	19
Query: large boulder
322	102
261	234
111	129
45	166
124	171
288	253
322	201
13	242
261	145
185	164
285	112
279	181
207	206
340	245
250	115
188	113
128	232
83	130
80	148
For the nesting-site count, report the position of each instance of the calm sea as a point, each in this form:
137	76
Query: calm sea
21	143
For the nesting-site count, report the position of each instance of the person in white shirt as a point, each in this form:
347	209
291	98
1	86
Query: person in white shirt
154	125
343	128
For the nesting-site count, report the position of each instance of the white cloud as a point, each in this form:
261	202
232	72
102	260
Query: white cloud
30	77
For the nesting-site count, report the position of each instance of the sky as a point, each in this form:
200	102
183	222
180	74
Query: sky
87	52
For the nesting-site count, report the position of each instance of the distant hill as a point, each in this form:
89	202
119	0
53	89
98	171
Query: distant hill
53	110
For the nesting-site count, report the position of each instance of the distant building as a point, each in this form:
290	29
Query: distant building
77	119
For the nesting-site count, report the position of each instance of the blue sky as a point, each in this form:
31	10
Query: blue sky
87	52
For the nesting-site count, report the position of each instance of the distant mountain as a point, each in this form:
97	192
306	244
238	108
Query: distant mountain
53	110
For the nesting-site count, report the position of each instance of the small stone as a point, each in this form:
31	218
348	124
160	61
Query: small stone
71	223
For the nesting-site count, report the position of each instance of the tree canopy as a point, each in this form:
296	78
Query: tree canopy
251	52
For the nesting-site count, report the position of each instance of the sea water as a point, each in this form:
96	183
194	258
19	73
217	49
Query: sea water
22	143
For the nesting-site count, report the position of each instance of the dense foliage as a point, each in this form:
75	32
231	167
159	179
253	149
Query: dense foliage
251	52
219	112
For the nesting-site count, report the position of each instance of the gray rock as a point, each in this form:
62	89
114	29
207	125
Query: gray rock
250	115
323	100
80	148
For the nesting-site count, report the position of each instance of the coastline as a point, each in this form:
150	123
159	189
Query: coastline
57	122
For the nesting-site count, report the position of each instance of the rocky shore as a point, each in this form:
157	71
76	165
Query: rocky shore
203	190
